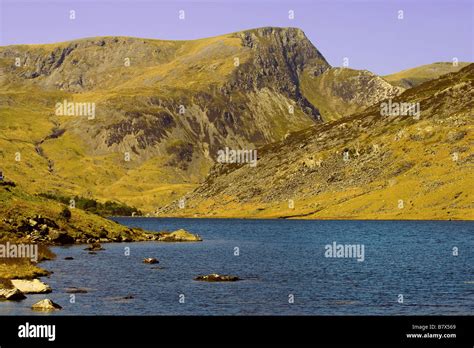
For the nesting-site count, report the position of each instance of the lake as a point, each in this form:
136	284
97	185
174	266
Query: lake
377	268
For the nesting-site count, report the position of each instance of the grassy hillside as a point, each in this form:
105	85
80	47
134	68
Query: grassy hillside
415	76
366	166
26	217
162	110
340	92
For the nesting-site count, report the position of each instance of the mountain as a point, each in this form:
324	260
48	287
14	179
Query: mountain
157	121
415	76
370	165
340	92
141	121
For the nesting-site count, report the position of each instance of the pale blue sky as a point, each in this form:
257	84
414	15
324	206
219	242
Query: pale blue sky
368	32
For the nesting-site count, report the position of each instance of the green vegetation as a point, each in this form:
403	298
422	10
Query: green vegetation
65	213
106	209
17	268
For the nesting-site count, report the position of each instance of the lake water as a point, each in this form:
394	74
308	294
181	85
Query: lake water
283	267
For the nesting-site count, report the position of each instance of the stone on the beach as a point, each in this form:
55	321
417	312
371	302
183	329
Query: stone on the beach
11	294
46	305
217	278
179	236
34	286
150	260
60	237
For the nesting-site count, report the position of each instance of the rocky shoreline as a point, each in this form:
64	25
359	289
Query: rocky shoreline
19	276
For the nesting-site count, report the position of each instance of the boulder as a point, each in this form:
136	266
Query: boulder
9	292
76	291
216	278
60	237
150	260
46	305
34	286
69	258
179	236
44	229
45	221
94	247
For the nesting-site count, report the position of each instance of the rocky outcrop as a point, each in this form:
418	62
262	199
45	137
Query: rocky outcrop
150	260
352	167
9	292
46	305
34	286
179	236
217	278
280	56
94	247
340	92
60	238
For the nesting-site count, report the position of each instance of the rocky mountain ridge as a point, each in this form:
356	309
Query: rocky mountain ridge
162	109
365	166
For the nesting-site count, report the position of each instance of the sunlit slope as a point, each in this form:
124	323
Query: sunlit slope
396	167
416	76
26	216
340	92
162	110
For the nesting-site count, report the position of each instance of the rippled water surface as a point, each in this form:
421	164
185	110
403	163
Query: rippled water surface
279	260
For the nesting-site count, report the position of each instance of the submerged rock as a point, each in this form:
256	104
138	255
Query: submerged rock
94	247
34	286
69	258
150	260
217	278
121	299
179	236
75	291
46	305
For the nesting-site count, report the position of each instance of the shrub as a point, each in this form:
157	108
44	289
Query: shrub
65	213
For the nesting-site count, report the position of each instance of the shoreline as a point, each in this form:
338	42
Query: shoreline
29	271
282	218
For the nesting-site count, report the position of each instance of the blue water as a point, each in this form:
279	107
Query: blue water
279	260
